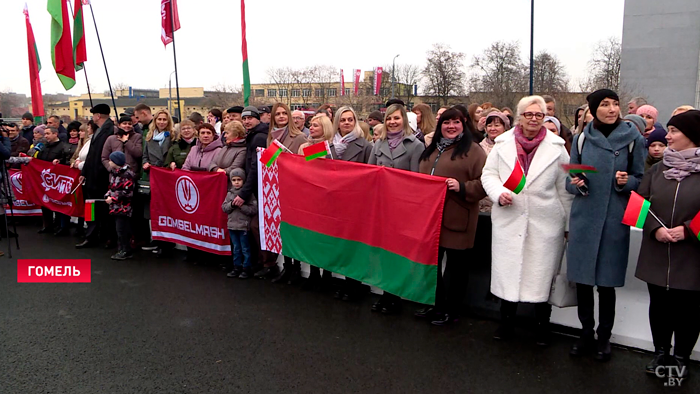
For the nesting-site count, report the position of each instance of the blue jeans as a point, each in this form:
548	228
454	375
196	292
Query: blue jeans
241	248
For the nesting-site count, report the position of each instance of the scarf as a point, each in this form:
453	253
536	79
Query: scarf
488	141
341	143
526	147
394	139
446	142
682	163
279	133
189	141
74	141
159	136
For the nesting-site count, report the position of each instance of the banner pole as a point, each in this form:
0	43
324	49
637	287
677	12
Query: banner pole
177	84
99	42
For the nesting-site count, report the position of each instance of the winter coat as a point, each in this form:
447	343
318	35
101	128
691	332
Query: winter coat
292	143
256	138
200	157
528	236
57	150
132	149
154	154
121	190
19	145
82	154
28	133
461	209
178	152
358	151
406	156
675	265
230	157
598	241
239	218
96	175
72	148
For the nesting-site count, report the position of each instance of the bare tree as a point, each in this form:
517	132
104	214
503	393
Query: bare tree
324	78
604	66
283	80
500	72
408	75
549	74
223	96
444	73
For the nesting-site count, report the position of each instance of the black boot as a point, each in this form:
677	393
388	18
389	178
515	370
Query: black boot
425	313
683	363
245	274
583	346
284	276
661	359
604	350
296	277
506	329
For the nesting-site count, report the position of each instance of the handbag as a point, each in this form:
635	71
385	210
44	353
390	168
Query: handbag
563	292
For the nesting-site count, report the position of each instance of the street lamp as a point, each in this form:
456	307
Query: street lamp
170	94
393	78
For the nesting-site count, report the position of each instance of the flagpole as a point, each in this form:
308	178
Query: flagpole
99	42
177	85
84	69
657	219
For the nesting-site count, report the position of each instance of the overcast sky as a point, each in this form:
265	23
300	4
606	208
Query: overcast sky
345	34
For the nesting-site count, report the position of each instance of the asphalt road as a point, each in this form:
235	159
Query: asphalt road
153	326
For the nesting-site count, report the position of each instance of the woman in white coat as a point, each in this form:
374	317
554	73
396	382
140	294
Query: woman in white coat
529	228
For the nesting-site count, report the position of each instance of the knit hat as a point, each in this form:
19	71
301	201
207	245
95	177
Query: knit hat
376	115
124	118
555	121
689	124
40	128
638	121
658	135
500	115
594	99
239	173
648	110
118	158
28	115
250	111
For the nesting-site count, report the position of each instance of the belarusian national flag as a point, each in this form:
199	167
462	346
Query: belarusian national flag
61	43
244	49
34	68
272	152
315	151
377	244
516	180
89	210
578	168
636	211
695	226
79	52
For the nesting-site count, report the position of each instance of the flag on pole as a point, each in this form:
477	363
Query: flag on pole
321	149
34	68
244	48
695	226
272	152
356	81
79	52
168	27
61	43
377	80
516	180
342	83
636	211
89	210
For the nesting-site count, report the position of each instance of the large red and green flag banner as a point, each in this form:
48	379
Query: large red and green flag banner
170	20
21	206
79	51
637	211
34	68
351	219
516	180
186	209
695	226
269	214
53	186
244	50
61	43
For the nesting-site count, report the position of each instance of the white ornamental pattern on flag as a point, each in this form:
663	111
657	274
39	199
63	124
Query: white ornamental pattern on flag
269	213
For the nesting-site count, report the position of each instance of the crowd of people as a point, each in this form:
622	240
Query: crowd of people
475	148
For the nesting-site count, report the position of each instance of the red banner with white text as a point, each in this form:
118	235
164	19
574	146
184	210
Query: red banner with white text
55	187
377	80
21	207
356	81
186	209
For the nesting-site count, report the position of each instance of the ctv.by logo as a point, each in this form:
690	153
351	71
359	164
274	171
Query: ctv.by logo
671	372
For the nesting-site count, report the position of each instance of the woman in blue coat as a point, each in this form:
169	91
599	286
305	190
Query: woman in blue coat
598	241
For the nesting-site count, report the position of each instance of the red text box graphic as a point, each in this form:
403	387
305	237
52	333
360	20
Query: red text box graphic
53	271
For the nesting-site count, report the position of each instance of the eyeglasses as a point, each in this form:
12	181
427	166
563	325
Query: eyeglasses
536	115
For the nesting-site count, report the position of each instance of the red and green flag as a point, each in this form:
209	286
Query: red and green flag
516	180
79	52
321	149
61	43
89	210
695	226
378	244
34	68
578	168
637	211
244	49
272	152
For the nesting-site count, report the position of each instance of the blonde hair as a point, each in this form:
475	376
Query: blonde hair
168	127
365	130
293	130
336	121
406	127
235	128
682	109
327	127
427	118
580	127
528	101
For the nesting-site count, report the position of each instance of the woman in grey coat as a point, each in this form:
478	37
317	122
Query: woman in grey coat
396	147
598	241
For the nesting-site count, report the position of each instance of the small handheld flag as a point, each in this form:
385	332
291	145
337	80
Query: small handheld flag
315	151
637	211
272	152
578	168
695	226
89	210
516	180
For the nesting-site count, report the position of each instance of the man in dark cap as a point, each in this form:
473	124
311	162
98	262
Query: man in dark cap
96	177
264	112
28	126
234	113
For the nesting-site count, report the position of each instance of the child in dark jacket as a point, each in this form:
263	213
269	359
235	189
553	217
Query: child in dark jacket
238	225
119	197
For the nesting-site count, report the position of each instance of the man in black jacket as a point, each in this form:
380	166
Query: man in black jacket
96	179
28	126
57	152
